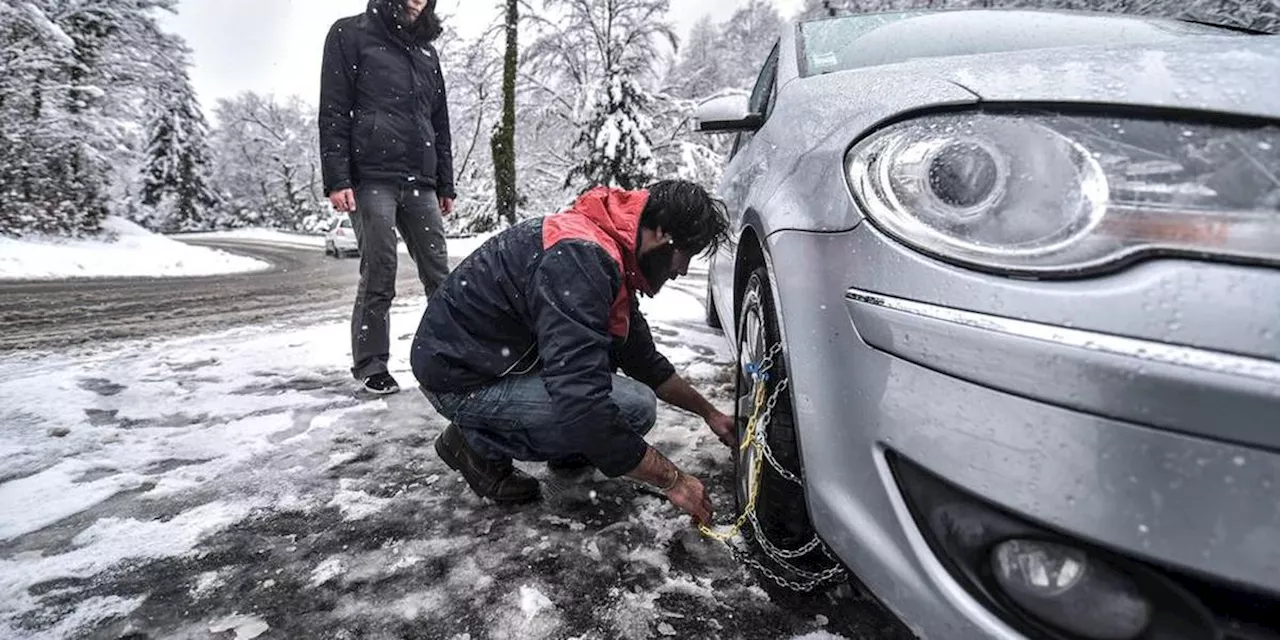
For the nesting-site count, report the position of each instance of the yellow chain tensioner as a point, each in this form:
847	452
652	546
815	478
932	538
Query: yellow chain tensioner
748	441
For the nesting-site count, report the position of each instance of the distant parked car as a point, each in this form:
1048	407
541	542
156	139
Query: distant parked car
340	240
1004	292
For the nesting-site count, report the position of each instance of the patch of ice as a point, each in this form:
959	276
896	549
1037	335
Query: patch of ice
326	571
356	505
89	612
111	541
819	635
532	602
205	583
37	501
652	556
634	615
531	615
127	250
246	627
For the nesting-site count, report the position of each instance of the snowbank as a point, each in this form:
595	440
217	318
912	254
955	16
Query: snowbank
261	235
459	247
134	252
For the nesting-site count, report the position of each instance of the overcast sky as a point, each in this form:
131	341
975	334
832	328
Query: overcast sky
274	46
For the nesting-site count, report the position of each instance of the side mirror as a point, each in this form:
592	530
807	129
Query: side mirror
727	114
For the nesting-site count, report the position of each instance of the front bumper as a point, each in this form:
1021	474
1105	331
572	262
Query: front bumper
1161	454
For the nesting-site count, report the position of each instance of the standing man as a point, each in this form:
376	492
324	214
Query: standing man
520	346
387	159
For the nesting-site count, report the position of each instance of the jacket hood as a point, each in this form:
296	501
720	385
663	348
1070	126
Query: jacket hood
391	14
617	213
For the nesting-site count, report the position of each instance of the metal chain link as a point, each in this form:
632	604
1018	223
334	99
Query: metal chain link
771	550
828	576
757	436
763	439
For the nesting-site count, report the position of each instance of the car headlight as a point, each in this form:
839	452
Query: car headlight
1050	194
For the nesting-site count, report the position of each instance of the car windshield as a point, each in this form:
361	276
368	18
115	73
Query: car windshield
841	44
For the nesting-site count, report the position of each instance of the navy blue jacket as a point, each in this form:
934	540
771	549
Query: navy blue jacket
384	113
553	296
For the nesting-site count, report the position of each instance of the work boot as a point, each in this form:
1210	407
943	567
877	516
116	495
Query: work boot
498	481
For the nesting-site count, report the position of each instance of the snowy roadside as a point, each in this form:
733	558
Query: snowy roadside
135	252
236	483
458	247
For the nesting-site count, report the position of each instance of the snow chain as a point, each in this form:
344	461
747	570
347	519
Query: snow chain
757	437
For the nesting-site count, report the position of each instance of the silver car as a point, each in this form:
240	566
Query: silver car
340	239
1006	301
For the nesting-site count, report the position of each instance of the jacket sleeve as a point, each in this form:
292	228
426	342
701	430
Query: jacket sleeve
639	358
444	140
337	101
573	289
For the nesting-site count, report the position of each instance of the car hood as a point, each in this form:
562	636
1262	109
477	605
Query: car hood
1228	74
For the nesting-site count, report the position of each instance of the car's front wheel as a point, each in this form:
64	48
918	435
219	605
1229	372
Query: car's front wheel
768	470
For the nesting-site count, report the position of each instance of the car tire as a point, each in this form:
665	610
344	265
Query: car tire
713	317
329	249
781	508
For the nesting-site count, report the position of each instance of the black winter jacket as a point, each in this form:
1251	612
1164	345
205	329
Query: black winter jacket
384	113
553	296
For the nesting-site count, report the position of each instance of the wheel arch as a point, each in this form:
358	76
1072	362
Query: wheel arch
751	254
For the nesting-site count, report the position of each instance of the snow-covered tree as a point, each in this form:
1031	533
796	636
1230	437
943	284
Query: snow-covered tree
267	163
704	67
176	176
72	94
615	143
599	61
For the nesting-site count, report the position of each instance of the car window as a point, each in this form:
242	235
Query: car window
764	83
761	95
346	223
840	44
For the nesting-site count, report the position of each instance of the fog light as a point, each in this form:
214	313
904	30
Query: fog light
1063	587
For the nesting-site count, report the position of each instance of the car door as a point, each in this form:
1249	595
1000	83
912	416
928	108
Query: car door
736	186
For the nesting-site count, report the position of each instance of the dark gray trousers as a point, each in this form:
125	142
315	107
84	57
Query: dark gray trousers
380	209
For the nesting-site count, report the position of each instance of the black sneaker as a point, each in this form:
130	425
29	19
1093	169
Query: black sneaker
381	384
498	481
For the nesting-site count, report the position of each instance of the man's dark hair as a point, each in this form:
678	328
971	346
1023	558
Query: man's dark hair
695	220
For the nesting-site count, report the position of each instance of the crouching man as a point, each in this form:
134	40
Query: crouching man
520	347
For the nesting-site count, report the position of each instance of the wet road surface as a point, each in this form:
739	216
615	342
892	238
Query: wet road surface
302	283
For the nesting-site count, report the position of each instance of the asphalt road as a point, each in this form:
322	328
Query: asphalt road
302	282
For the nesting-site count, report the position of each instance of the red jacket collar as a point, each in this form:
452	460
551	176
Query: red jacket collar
617	213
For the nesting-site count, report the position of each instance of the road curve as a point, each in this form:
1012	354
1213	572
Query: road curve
302	281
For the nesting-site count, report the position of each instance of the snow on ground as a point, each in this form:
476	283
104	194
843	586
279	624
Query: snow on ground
272	236
458	247
126	250
237	485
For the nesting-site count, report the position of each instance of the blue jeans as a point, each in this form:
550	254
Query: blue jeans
514	418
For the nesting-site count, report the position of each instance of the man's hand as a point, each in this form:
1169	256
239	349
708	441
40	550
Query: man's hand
343	201
691	496
686	492
725	428
677	391
446	206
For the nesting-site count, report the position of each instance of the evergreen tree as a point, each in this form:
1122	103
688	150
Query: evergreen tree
618	152
178	162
